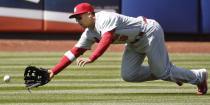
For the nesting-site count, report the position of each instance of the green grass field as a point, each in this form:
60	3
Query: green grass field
98	83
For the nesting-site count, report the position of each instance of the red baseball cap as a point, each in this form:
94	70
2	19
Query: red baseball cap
82	8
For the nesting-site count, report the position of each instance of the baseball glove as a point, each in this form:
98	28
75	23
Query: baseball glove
35	77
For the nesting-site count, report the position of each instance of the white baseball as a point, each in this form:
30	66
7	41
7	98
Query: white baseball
7	78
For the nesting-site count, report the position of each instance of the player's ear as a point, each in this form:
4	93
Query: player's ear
90	15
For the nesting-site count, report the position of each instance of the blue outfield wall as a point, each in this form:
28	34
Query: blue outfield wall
175	16
205	16
68	5
21	4
46	15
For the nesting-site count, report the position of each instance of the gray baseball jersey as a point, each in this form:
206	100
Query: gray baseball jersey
126	28
150	44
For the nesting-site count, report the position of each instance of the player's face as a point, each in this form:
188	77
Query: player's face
86	20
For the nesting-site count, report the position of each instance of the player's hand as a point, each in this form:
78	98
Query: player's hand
81	62
51	74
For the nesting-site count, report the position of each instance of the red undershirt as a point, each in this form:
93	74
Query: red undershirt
104	43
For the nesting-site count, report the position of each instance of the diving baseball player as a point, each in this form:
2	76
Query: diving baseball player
142	37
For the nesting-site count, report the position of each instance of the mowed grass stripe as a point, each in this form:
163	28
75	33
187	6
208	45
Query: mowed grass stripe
98	83
151	96
106	103
100	91
96	86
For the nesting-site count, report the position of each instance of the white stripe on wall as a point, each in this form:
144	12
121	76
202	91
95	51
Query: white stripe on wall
36	14
58	16
21	13
33	1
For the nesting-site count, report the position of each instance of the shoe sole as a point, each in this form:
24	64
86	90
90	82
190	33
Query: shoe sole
206	84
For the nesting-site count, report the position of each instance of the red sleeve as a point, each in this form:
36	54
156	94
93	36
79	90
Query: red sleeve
67	59
104	43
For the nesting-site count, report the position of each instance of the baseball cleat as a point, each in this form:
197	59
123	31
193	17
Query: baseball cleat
179	83
203	86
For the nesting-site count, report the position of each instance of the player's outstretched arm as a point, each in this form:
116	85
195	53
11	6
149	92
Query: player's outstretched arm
104	43
66	60
106	40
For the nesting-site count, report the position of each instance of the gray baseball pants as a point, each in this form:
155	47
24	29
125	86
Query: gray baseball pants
153	47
